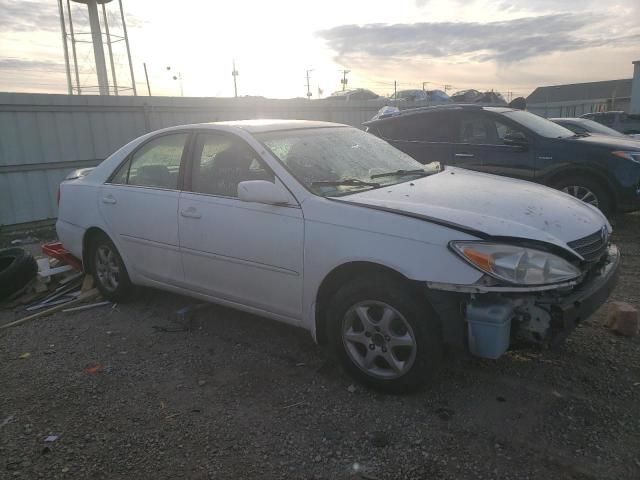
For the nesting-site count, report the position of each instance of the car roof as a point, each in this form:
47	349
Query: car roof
435	108
264	125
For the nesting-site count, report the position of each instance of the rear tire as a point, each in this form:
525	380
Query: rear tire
108	269
588	190
384	334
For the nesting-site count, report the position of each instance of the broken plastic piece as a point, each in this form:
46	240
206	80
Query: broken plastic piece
56	250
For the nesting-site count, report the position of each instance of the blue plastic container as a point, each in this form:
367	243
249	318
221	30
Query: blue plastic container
489	327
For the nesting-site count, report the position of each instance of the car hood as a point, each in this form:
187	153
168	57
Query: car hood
489	204
609	141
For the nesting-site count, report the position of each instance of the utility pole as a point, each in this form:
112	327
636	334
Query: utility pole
308	84
146	75
395	89
344	80
447	88
423	84
235	74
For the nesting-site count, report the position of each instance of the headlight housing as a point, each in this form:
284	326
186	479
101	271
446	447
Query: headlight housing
628	155
516	265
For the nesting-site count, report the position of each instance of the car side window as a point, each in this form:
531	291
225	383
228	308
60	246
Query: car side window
504	129
221	162
433	127
155	164
473	130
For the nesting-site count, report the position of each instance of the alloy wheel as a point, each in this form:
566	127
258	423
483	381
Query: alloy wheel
582	193
378	339
107	268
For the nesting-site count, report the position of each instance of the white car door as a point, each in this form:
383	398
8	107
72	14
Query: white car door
242	252
140	205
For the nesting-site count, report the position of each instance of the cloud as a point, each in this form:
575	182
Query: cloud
502	42
44	16
29	16
28	65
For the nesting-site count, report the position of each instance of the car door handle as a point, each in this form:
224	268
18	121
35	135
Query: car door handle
464	155
190	213
110	199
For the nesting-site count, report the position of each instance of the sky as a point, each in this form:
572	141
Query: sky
505	45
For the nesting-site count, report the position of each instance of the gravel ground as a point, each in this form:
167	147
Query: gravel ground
239	396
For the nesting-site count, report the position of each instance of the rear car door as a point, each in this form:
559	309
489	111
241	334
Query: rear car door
140	205
481	146
243	252
426	137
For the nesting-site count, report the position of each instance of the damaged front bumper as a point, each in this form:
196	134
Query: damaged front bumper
487	319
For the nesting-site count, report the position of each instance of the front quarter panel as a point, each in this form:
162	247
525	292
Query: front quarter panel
338	233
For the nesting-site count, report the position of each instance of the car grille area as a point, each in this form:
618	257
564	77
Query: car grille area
593	246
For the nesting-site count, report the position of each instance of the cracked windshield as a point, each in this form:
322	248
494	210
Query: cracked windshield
340	161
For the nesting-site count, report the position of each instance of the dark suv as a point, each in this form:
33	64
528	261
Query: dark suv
602	171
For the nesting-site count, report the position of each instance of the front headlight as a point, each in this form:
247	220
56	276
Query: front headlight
632	155
516	265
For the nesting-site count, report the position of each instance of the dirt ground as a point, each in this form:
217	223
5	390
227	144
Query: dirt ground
239	396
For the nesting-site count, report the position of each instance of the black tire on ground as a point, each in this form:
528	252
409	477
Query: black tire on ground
123	288
605	202
17	268
386	291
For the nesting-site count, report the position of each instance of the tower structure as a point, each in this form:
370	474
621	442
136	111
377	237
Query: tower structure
95	76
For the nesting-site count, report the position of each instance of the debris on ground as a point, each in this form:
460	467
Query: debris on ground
622	318
86	307
51	438
94	369
91	294
7	420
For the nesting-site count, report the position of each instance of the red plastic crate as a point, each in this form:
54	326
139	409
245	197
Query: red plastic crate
56	250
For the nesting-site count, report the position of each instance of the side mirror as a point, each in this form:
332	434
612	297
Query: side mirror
516	139
262	191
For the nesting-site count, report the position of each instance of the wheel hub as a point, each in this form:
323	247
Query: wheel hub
378	340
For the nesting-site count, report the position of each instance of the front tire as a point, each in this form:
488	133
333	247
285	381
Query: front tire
384	334
588	190
109	271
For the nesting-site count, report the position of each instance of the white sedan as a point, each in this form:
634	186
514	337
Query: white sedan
331	229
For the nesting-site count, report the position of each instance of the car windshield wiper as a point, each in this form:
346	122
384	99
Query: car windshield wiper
402	173
349	182
581	134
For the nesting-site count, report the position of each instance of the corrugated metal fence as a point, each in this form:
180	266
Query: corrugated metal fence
43	137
